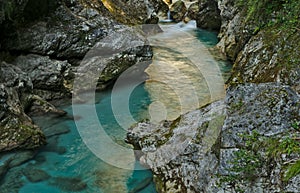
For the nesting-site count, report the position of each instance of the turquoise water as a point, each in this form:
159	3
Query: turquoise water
72	167
79	162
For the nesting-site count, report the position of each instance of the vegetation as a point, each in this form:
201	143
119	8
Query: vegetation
256	156
267	13
7	9
292	170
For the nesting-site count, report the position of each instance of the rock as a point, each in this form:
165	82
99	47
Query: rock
197	152
52	145
262	60
67	34
20	158
180	153
206	14
134	12
267	108
51	76
55	130
17	129
4	167
109	58
293	185
233	33
161	7
69	184
178	10
259	49
12	182
193	10
35	175
39	106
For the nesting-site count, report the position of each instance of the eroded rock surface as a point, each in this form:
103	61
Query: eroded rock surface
195	152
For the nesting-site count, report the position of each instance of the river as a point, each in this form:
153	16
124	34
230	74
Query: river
183	76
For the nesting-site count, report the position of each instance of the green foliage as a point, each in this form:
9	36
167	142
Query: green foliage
296	125
275	147
256	153
7	9
265	13
247	164
292	170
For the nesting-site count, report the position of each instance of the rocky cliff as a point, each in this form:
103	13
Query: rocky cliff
249	142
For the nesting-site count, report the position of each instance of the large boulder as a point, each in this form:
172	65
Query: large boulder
50	78
206	14
178	11
180	152
110	58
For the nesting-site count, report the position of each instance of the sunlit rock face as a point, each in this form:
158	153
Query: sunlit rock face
178	10
206	14
135	12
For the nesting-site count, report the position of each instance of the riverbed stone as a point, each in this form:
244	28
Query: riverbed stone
70	184
35	175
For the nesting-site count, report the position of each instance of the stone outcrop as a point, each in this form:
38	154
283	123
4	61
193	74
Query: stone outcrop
51	79
195	152
17	129
178	11
206	14
180	152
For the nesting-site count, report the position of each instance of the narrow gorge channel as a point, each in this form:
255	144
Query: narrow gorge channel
182	67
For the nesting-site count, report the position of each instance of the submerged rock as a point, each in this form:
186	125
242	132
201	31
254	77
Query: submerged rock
35	175
140	185
70	184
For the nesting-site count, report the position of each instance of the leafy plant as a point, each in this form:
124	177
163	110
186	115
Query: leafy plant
292	170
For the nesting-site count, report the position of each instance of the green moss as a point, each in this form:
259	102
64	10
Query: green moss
265	13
